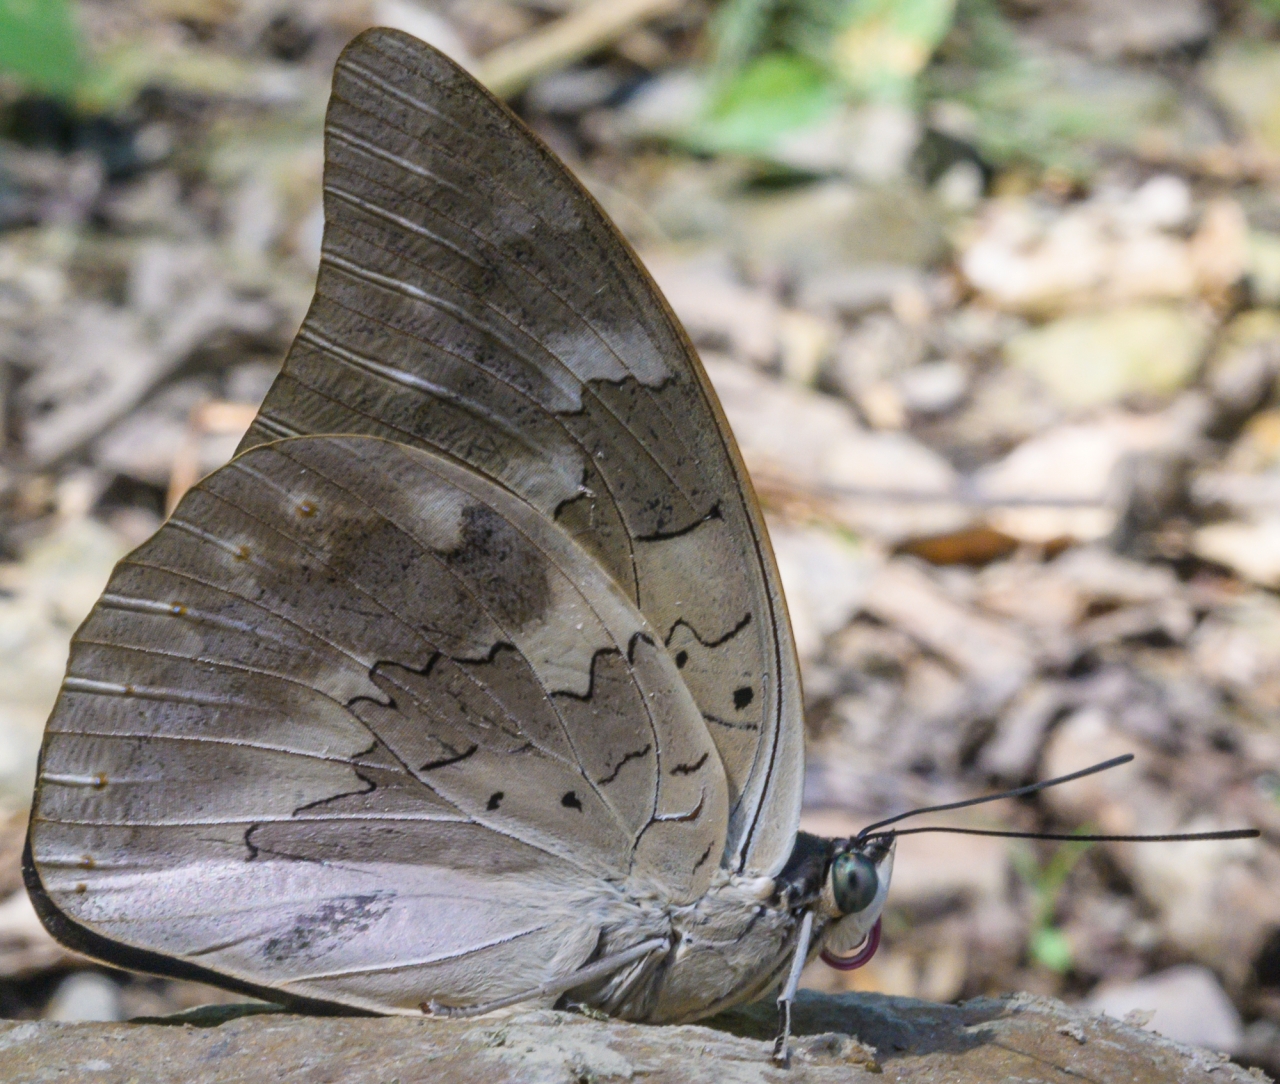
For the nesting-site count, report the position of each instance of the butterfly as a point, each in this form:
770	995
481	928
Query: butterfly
468	682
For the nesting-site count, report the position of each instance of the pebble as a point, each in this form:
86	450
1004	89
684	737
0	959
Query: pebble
887	485
1251	548
1186	1003
935	387
85	995
1244	77
1092	359
825	577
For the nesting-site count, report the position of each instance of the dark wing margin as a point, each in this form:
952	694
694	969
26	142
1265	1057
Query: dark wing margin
474	300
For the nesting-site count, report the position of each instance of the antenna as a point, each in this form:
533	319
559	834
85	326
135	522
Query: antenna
1018	792
871	831
1180	837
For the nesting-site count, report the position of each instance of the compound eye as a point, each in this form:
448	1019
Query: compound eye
854	882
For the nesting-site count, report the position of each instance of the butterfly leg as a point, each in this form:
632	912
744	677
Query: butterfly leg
781	1047
627	985
598	970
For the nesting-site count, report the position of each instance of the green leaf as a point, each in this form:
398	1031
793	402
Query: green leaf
1050	948
885	44
774	94
121	73
40	44
1046	944
1048	110
738	29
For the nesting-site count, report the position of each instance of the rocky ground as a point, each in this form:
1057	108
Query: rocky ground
853	1037
996	322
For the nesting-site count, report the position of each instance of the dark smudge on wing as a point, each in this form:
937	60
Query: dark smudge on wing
341	917
507	572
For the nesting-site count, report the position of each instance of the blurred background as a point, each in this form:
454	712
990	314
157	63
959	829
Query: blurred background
990	290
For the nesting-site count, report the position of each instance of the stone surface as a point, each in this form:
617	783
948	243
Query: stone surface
1097	358
825	576
838	1038
42	600
1135	28
85	996
1186	1003
1244	77
798	442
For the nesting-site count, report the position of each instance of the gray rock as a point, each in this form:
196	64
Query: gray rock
838	1038
85	996
1134	28
935	387
826	227
851	291
1186	1003
1093	359
574	91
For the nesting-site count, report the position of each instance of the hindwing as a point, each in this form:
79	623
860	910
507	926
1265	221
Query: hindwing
356	717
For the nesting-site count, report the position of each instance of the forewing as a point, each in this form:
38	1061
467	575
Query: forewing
474	300
357	722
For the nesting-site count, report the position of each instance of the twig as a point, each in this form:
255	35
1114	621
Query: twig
510	68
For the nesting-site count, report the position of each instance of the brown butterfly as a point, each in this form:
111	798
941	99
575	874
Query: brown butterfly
468	682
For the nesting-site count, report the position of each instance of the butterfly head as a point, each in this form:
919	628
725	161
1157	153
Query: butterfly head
854	895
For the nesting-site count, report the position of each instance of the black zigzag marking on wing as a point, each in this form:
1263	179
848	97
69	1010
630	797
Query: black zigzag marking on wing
680	532
689	769
596	656
728	725
718	642
444	762
369	789
635	755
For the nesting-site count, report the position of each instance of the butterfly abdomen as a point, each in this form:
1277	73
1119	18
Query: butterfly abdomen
732	946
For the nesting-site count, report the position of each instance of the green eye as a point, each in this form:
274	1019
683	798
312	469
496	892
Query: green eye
854	881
